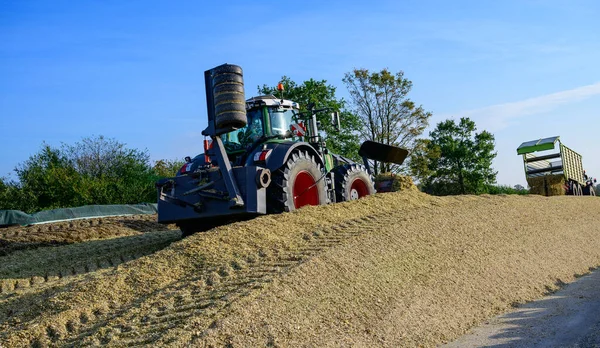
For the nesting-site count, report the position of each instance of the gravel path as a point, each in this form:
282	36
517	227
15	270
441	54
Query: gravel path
568	318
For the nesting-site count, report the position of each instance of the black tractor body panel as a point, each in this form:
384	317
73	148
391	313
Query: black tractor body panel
281	152
203	195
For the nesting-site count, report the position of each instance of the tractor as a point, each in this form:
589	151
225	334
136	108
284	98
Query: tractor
261	156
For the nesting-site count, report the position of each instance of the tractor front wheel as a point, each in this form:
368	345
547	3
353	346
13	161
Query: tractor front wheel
352	181
299	182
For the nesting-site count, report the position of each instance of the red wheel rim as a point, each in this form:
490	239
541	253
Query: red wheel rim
305	190
358	189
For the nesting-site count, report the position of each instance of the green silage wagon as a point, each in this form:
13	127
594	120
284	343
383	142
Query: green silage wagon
551	168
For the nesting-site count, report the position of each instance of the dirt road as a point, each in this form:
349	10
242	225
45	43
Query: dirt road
568	318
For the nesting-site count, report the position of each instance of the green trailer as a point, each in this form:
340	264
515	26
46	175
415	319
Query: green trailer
551	168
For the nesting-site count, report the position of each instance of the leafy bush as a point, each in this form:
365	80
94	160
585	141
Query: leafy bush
96	170
505	189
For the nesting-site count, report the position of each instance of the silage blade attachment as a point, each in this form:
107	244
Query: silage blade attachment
382	152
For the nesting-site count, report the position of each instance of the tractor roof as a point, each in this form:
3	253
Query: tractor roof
270	100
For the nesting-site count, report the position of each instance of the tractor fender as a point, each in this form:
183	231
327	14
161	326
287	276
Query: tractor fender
197	161
282	151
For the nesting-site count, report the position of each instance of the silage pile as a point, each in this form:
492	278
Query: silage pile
66	232
398	269
547	185
390	182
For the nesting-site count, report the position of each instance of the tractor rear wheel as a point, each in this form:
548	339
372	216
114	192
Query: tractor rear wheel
352	181
299	182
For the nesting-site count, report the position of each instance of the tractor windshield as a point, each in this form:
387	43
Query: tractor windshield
240	139
281	119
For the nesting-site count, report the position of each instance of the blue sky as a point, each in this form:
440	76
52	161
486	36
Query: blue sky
133	70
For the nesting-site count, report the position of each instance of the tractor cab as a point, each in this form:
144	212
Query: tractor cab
268	118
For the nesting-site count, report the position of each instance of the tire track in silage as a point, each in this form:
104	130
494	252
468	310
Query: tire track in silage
203	300
35	268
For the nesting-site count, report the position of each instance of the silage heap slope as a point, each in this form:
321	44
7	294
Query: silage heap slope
398	269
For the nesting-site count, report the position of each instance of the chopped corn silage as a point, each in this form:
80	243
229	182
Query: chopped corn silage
547	185
397	269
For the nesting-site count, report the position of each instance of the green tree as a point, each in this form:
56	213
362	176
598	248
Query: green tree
421	156
48	180
506	190
345	141
167	168
11	195
98	157
456	160
386	114
94	171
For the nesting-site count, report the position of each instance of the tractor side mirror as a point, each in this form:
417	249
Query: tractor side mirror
335	120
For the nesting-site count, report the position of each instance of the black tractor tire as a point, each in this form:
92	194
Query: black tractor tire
230	115
299	182
189	228
352	181
228	97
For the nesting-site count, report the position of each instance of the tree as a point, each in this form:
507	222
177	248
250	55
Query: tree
11	195
419	162
167	168
456	160
97	157
386	114
94	171
344	142
48	180
114	173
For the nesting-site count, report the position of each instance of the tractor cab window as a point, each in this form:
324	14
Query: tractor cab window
239	139
280	119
